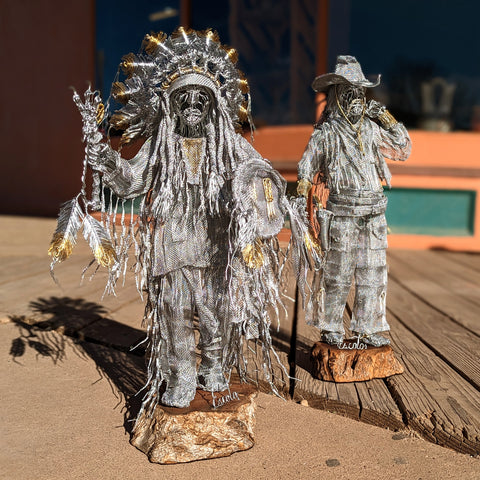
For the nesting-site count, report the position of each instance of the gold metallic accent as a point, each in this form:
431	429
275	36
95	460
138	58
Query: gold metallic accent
119	92
252	254
212	35
180	31
243	113
119	121
105	255
267	189
152	41
254	193
60	247
192	148
100	113
243	85
128	64
185	71
303	187
312	243
387	119
232	54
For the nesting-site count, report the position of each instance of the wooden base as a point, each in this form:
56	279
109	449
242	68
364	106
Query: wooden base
353	364
211	427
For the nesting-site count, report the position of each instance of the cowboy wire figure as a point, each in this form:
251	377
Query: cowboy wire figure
348	149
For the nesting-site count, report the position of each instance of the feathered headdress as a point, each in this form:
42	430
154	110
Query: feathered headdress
187	57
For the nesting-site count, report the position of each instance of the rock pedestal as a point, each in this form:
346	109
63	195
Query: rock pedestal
353	362
213	426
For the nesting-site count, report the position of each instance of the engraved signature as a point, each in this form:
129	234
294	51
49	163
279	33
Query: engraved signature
358	345
220	401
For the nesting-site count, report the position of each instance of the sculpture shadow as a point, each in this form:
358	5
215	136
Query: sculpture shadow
60	322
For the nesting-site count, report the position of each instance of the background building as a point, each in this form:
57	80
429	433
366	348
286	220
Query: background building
49	45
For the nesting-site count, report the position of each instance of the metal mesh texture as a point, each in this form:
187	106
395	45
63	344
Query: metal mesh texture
351	162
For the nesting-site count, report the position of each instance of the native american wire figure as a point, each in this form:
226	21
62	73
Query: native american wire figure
348	148
206	236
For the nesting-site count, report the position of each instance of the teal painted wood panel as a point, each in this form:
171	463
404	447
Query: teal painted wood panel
431	211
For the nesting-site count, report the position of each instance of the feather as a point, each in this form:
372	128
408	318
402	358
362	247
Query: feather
65	236
99	240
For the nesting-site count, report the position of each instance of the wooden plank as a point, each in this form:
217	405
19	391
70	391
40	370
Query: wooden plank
429	283
470	261
16	294
256	374
460	281
453	343
377	406
435	401
14	268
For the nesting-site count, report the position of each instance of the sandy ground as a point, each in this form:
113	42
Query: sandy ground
65	420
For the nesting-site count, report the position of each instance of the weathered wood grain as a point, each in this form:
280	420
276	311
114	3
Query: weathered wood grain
435	401
471	261
14	268
429	282
462	282
432	304
450	341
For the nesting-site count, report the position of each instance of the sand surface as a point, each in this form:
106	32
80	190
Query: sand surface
64	421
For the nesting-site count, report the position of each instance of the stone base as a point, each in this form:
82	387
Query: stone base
353	363
211	427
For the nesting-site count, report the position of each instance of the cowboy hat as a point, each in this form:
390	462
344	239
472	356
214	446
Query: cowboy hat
347	70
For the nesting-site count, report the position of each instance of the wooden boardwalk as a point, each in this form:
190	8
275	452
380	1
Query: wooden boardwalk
433	303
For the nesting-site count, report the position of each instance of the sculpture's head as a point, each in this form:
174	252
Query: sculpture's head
192	105
189	77
350	100
346	88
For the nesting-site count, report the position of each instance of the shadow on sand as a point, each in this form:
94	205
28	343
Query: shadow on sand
58	322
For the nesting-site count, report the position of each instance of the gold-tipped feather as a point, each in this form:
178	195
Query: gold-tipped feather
232	54
243	85
105	255
212	35
152	41
65	236
119	121
119	92
97	237
181	31
128	137
61	247
128	64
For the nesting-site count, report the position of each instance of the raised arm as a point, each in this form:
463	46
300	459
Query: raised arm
127	178
393	142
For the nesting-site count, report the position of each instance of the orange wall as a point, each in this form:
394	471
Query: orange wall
284	145
438	161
